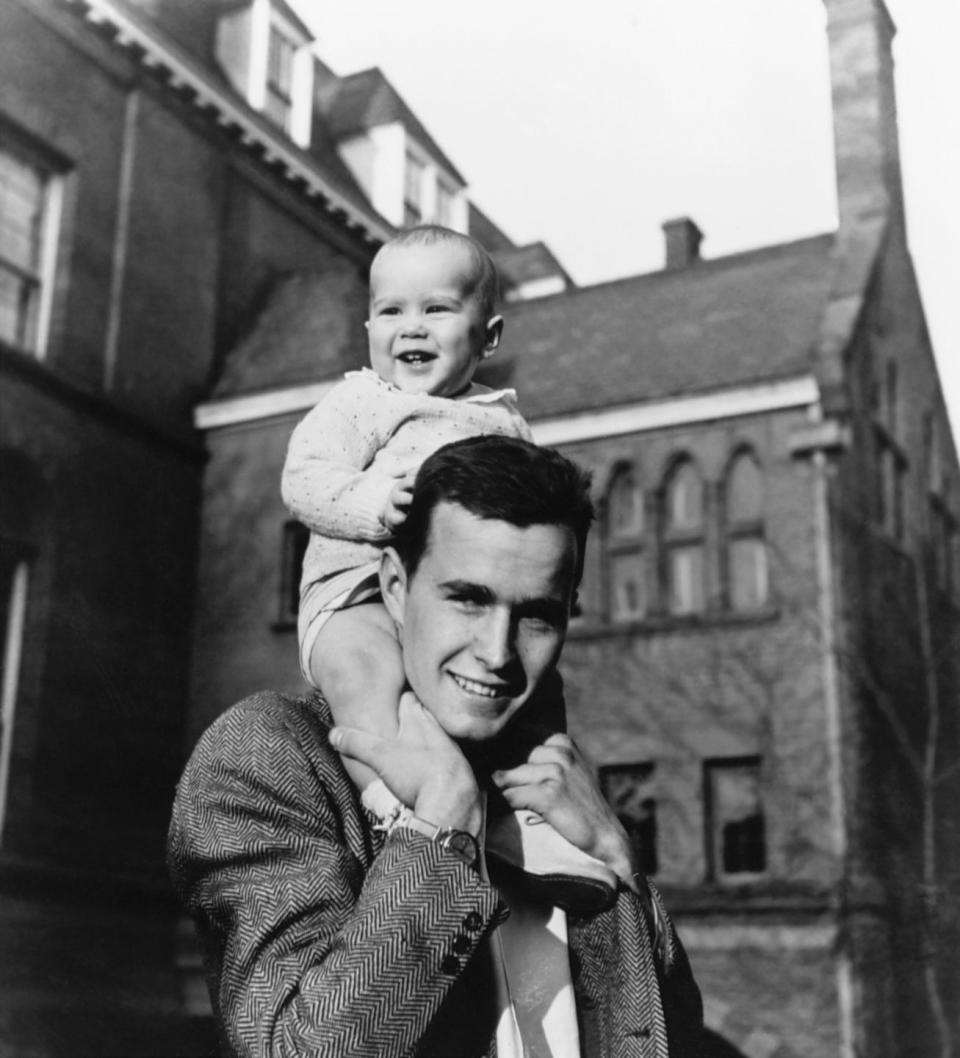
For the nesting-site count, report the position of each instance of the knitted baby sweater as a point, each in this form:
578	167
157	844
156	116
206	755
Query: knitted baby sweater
348	452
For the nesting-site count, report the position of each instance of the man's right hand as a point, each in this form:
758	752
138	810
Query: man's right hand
421	765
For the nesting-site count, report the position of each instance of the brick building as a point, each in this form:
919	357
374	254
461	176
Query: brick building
766	653
145	210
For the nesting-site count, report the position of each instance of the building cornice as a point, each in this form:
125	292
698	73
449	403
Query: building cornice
643	416
256	407
756	399
192	83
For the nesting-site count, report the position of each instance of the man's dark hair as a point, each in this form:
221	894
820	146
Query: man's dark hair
486	277
501	479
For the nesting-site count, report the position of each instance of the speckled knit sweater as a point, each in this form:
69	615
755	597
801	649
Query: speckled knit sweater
346	454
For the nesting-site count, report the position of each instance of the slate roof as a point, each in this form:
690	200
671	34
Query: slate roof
745	318
485	231
522	264
310	330
366	99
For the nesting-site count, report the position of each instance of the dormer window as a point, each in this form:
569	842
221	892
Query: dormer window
265	51
402	170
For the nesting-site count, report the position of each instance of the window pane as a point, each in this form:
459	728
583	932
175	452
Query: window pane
18	303
685	499
738	838
744	491
280	64
277	108
625	506
22	194
685	570
628	594
748	573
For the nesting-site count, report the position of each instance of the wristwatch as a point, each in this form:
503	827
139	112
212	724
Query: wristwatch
459	843
462	844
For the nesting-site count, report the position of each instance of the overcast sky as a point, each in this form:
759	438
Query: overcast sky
589	124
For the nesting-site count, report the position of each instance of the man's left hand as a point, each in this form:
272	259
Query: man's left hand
558	784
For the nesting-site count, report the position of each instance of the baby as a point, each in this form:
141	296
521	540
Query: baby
350	469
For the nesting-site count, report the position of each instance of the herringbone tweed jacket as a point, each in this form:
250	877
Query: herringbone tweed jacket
323	938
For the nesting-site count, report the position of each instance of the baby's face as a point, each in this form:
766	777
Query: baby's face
426	328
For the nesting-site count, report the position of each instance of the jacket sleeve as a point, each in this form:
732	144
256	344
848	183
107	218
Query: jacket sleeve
635	994
328	481
310	951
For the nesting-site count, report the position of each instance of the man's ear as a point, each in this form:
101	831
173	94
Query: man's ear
492	334
393	584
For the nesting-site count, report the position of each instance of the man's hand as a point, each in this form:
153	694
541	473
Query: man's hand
558	784
398	502
421	765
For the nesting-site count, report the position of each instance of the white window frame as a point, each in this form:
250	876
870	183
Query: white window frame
16	604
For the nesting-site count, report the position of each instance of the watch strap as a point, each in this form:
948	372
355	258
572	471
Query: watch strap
459	843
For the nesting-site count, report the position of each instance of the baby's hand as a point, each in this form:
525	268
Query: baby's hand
395	513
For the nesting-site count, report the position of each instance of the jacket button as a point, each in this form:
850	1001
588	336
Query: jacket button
450	965
473	921
462	944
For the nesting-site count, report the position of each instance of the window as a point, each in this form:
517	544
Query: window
746	550
629	791
29	206
294	547
941	521
683	540
281	51
891	464
413	173
736	838
943	537
624	526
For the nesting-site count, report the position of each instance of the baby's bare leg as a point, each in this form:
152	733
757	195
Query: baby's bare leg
357	664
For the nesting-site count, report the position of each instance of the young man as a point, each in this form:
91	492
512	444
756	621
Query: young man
328	934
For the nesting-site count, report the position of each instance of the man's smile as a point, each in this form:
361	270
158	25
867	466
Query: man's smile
482	690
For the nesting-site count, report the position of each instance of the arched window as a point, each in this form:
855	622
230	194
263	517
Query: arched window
624	532
683	540
746	557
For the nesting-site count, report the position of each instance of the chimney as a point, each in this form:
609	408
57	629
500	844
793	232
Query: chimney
682	238
865	137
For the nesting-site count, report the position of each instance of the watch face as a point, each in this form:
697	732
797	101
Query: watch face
464	846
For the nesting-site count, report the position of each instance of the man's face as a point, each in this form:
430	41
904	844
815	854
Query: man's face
483	618
426	329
